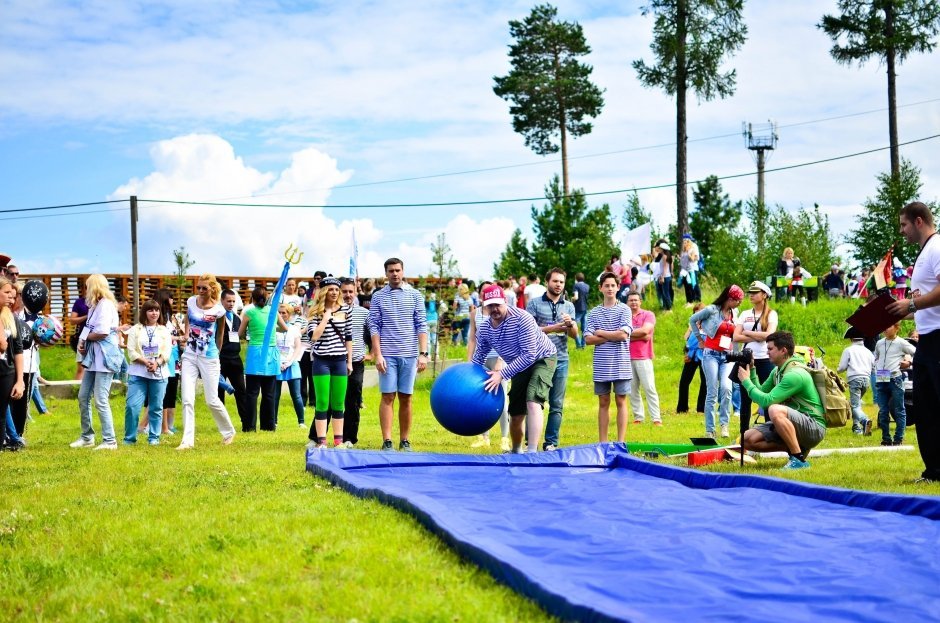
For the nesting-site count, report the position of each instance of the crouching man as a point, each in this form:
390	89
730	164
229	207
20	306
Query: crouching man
791	402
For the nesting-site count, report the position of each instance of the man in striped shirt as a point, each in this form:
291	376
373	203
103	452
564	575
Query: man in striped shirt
609	328
358	317
398	322
530	359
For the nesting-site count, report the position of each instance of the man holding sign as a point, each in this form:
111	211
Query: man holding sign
917	227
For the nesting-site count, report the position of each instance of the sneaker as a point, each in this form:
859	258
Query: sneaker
301	425
387	446
321	446
549	447
311	445
886	442
106	445
736	414
924	481
170	432
505	445
897	442
81	442
227	441
153	442
481	442
724	431
340	446
405	446
348	445
519	450
795	463
867	428
710	434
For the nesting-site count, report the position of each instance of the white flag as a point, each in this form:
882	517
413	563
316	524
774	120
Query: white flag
636	242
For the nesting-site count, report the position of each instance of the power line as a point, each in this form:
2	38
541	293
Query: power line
59	207
528	199
23	218
581	157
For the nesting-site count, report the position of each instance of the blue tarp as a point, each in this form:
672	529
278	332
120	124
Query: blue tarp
592	533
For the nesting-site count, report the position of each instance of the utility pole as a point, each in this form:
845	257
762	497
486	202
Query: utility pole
760	138
136	298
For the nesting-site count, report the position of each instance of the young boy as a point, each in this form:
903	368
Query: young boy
857	362
608	329
889	383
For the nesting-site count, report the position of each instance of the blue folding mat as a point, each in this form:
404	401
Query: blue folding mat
594	534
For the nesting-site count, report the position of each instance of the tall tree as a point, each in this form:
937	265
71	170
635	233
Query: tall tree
714	212
889	30
690	40
877	223
182	263
568	233
549	89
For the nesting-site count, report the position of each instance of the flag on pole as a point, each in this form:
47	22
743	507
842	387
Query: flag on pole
882	273
354	256
636	242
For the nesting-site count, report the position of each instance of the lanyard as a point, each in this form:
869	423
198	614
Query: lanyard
884	360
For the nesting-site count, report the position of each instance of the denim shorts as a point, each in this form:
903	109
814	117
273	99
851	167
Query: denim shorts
621	388
399	375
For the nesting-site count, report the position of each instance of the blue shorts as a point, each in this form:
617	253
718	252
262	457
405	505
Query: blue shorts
399	376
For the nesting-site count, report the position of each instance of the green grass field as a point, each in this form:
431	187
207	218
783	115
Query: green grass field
242	533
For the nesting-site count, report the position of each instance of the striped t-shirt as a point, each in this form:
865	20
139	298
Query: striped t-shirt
332	342
611	359
358	318
517	339
398	316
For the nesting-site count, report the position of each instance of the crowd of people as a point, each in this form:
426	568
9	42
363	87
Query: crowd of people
317	339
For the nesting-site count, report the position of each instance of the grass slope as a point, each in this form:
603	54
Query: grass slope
242	533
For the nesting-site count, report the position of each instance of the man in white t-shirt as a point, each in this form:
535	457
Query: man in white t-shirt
917	227
535	289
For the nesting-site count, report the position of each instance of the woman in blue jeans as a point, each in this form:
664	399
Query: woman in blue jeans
714	326
148	349
98	345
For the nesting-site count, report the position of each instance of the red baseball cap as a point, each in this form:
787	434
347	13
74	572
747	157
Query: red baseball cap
493	295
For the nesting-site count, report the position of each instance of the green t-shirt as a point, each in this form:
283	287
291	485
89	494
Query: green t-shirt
257	321
795	390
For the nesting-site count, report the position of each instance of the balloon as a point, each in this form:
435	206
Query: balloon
35	295
461	405
47	330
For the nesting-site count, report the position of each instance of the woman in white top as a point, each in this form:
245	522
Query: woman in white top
290	347
148	349
751	329
97	343
203	326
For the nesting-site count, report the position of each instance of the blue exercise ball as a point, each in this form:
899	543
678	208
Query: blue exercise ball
460	403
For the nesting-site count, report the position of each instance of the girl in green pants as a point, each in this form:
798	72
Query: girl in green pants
331	343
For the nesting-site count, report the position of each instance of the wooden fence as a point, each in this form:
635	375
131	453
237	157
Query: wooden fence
64	289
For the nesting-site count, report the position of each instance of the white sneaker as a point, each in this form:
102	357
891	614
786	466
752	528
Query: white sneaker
481	442
349	445
724	431
505	445
301	425
549	447
82	443
311	445
106	446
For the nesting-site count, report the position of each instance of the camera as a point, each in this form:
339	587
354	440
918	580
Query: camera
743	358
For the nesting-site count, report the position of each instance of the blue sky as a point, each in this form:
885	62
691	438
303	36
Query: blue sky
299	103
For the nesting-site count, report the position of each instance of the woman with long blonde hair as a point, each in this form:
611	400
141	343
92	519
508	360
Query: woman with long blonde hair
97	343
11	360
203	327
331	340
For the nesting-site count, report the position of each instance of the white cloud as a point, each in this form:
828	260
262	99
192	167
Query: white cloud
251	240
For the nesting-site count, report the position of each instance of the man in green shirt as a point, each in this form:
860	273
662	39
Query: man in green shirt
791	402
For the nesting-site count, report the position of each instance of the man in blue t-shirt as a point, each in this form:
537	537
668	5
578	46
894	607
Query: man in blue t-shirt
580	300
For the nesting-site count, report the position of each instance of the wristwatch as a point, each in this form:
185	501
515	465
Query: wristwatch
625	329
423	354
911	308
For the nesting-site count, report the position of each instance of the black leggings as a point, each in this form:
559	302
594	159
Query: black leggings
7	381
19	409
763	367
172	385
307	391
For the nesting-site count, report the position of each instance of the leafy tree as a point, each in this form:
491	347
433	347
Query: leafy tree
714	211
516	259
889	30
182	263
633	213
807	232
443	260
549	88
690	40
877	223
568	233
571	234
